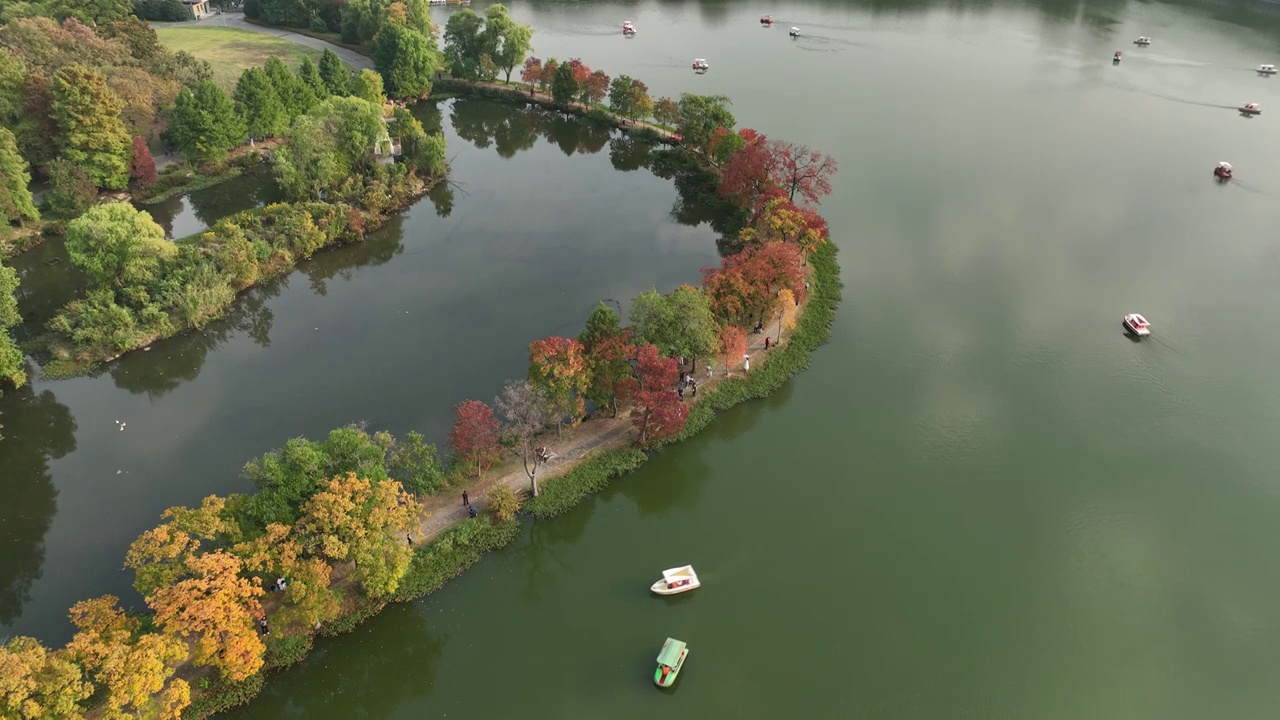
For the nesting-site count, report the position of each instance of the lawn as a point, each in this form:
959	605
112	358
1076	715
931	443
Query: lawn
231	50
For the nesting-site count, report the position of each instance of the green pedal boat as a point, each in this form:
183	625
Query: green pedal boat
670	660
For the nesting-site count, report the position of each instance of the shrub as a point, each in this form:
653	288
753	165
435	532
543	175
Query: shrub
592	475
286	650
253	9
71	191
222	695
162	10
455	550
318	25
503	502
362	609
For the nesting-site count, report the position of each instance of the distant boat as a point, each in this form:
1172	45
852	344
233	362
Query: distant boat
676	581
700	64
1116	58
1250	109
1266	69
628	28
1223	171
766	19
670	660
1137	325
794	32
1142	41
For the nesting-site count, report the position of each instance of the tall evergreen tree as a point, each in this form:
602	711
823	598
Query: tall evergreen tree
258	105
312	82
292	94
15	195
335	73
88	117
203	124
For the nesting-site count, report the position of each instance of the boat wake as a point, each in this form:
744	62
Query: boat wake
1170	98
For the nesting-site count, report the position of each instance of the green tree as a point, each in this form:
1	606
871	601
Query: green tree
289	88
13	76
314	85
368	86
509	42
91	12
88	117
415	464
698	117
11	363
307	163
258	105
564	87
15	195
678	324
666	111
423	154
335	73
203	125
418	16
118	245
620	96
640	102
406	60
71	191
464	42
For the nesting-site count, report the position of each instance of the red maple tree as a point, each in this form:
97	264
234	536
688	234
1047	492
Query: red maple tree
611	380
745	177
142	168
659	413
475	434
744	286
580	71
531	73
594	87
548	72
559	367
731	345
798	169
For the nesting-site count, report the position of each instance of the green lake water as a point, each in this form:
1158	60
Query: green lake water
981	500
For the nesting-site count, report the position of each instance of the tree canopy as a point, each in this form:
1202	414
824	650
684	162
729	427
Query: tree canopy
698	116
117	245
88	116
204	125
15	178
258	105
406	60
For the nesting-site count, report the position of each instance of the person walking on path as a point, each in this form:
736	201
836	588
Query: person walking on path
409	538
465	501
262	625
746	363
766	343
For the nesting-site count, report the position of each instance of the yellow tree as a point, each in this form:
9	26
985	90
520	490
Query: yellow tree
37	684
355	520
159	556
135	670
215	608
782	221
786	307
308	597
558	366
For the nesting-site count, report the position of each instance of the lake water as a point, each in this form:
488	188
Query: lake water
981	500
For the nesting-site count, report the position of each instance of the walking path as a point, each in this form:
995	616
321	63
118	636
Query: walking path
601	433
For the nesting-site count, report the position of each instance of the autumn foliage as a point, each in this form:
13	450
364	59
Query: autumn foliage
142	167
745	285
475	434
215	609
659	412
531	73
731	346
559	368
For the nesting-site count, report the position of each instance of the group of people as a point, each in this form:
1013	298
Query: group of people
687	383
280	585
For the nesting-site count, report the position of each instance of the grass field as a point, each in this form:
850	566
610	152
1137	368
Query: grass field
231	50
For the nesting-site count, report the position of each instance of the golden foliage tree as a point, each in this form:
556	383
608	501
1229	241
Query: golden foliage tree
38	684
159	556
308	598
215	608
354	520
136	671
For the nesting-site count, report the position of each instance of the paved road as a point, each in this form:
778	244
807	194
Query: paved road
236	20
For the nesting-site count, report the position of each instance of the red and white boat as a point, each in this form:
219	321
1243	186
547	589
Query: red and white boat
1137	325
1250	109
1223	171
766	19
1116	58
628	28
700	64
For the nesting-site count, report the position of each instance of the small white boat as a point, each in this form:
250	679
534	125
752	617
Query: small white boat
676	581
700	64
1142	41
794	32
1250	109
1137	325
628	28
1266	69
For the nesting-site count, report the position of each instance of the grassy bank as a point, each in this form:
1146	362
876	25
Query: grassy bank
231	51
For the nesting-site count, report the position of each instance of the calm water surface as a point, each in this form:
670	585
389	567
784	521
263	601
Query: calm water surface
980	501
